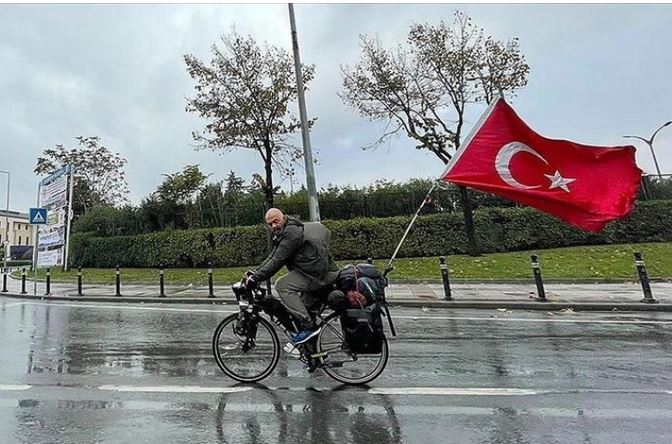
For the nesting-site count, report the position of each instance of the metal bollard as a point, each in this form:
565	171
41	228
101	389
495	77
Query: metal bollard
211	290
644	279
118	281
541	294
447	293
79	280
48	291
23	281
162	294
4	280
369	261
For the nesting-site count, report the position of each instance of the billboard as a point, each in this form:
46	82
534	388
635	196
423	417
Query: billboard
55	194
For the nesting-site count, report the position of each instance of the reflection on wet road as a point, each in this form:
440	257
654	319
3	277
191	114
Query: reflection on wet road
108	373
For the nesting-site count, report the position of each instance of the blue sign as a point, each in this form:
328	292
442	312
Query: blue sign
38	216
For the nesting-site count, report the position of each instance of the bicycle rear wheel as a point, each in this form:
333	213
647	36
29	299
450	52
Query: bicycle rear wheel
246	358
342	364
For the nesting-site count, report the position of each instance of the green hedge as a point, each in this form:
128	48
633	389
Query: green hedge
19	263
498	229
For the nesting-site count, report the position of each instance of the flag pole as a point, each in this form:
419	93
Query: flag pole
403	238
456	156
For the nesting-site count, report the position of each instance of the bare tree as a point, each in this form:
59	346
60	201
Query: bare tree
422	89
244	94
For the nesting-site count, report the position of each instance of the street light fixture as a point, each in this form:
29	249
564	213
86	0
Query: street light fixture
650	143
5	251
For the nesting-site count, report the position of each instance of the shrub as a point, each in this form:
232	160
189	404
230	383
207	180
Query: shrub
498	229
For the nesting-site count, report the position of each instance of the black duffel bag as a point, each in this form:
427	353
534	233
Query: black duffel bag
363	329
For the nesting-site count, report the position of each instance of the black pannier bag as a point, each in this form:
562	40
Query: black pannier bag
363	329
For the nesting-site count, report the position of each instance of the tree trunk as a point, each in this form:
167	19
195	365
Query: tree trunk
472	242
268	195
268	166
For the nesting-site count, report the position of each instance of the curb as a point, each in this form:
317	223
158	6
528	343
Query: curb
408	303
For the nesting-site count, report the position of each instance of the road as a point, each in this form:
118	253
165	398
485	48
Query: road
118	373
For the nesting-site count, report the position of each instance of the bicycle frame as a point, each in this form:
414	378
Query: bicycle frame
251	301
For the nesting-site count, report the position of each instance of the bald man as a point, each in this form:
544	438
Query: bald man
304	249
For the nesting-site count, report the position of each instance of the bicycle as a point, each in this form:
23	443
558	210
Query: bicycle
246	345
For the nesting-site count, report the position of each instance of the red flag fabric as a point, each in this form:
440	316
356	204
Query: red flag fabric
586	186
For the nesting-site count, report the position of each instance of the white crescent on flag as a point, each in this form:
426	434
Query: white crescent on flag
504	157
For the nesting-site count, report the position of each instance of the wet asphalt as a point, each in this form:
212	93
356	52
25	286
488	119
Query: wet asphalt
118	373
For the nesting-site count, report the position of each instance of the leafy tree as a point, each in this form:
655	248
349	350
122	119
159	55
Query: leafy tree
173	198
234	188
180	187
423	89
109	221
211	203
99	173
244	94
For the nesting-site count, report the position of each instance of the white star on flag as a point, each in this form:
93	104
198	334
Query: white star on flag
557	181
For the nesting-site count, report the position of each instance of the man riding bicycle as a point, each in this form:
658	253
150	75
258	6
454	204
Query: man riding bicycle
304	249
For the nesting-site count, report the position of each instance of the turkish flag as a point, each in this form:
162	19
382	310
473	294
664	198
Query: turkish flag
586	186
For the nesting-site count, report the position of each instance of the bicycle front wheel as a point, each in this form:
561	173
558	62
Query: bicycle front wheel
246	359
342	364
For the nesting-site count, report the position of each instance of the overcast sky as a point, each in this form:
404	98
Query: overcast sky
116	71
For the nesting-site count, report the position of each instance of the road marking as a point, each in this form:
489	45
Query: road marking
454	391
127	307
13	387
173	389
423	318
13	305
404	391
577	321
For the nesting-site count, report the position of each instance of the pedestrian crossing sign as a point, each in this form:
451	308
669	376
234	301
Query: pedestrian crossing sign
38	216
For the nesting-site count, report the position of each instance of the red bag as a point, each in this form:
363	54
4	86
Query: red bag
355	299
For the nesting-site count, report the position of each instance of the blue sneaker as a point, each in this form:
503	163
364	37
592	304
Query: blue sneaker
304	335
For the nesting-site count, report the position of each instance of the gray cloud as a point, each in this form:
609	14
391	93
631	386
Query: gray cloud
598	72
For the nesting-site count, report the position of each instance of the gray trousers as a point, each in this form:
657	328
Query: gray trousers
293	290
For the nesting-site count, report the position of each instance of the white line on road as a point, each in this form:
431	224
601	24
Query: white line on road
579	321
127	307
423	318
454	391
13	305
13	387
403	391
173	389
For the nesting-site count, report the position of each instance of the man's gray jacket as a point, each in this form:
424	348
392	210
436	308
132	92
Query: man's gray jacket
302	246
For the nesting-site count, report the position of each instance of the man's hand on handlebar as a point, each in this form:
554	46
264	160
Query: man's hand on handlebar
248	281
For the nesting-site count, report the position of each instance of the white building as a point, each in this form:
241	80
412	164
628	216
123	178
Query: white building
20	231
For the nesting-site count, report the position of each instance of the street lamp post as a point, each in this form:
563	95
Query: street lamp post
313	205
650	143
6	238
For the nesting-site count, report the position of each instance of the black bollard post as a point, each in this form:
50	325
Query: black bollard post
4	280
447	293
644	279
541	294
211	290
118	281
369	261
79	280
23	281
48	291
162	294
